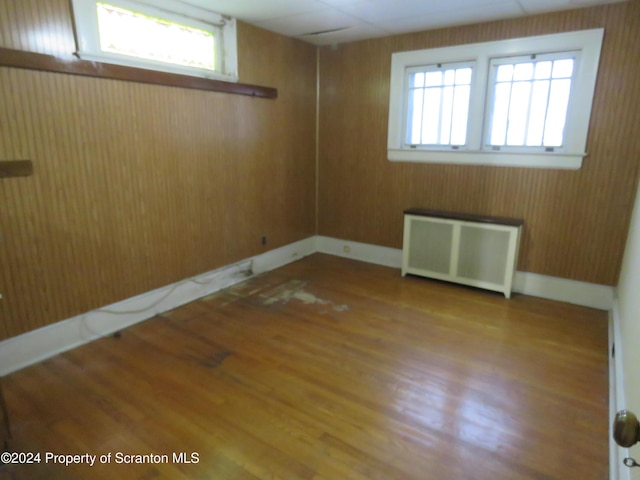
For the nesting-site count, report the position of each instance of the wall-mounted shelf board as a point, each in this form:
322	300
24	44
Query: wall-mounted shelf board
16	168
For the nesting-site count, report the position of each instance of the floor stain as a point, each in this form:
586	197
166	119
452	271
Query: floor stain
213	360
295	290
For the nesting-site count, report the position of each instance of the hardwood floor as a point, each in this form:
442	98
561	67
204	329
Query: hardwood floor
329	369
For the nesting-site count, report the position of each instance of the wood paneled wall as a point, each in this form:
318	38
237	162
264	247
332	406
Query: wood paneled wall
138	186
576	221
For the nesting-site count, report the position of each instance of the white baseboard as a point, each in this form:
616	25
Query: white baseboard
571	291
26	349
281	256
553	288
29	348
365	252
617	396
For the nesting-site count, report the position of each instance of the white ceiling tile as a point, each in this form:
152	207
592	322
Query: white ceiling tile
364	19
357	31
381	11
446	18
539	6
259	10
304	23
346	3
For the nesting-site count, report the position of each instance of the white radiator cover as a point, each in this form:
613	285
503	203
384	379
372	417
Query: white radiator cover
480	253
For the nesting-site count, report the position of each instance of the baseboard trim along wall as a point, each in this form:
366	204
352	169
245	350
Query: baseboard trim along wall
365	252
554	288
31	347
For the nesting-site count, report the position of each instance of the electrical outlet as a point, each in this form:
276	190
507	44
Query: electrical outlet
264	240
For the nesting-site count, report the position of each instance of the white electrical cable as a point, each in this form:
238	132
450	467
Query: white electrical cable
84	321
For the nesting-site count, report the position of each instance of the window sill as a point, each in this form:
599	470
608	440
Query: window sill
561	161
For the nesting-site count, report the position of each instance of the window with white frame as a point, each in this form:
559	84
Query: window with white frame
438	104
519	102
528	101
164	35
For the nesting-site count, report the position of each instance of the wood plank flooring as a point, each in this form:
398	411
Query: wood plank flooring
329	369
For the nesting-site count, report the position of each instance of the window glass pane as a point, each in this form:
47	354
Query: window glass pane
418	79
463	76
557	113
523	71
543	70
415	116
431	120
447	113
539	99
449	77
518	113
504	73
460	115
563	68
433	79
501	102
134	34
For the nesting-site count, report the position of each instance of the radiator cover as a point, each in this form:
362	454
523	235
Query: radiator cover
480	251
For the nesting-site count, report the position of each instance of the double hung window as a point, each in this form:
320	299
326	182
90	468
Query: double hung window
438	104
529	101
520	102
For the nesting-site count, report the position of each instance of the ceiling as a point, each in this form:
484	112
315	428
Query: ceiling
327	22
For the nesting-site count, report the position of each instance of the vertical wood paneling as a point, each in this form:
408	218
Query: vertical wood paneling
576	221
37	26
138	186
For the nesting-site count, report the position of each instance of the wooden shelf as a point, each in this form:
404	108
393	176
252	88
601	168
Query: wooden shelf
16	168
49	63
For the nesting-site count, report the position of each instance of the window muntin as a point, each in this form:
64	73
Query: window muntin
128	32
438	105
529	101
195	41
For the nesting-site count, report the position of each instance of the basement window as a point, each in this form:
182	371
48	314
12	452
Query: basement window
164	35
438	104
529	102
520	102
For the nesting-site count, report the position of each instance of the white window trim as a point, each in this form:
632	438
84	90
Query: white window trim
86	22
587	41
